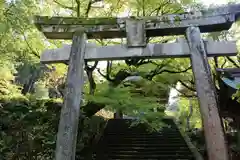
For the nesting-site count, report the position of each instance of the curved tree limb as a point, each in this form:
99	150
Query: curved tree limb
64	6
78	7
88	8
118	78
184	94
225	61
186	86
159	70
89	71
139	61
169	71
104	76
216	62
91	108
33	52
158	9
108	69
233	62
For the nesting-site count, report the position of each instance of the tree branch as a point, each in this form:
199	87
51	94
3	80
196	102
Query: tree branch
89	71
118	78
88	8
112	9
186	86
108	70
64	6
233	62
107	77
169	71
88	67
136	62
78	7
158	71
190	114
33	52
143	8
184	94
216	62
225	61
159	8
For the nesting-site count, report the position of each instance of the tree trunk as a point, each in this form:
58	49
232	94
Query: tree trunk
92	84
190	114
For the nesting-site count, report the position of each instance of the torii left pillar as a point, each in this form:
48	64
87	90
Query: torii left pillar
70	113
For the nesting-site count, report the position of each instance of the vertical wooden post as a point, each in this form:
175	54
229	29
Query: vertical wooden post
213	130
68	125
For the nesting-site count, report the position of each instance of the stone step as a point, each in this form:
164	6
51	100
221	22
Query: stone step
142	133
144	141
147	156
127	136
119	142
147	152
143	148
145	145
169	158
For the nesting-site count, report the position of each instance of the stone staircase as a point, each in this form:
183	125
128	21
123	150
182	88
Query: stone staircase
119	142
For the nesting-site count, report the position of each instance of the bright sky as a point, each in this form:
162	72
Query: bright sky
208	2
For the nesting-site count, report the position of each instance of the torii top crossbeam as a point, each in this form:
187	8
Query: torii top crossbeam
210	20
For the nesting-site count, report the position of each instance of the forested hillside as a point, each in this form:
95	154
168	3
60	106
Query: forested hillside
31	93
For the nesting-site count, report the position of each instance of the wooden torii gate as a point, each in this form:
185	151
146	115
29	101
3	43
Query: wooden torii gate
136	30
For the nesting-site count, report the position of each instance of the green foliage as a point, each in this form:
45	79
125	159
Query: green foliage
139	99
41	92
29	128
184	112
91	128
237	94
7	87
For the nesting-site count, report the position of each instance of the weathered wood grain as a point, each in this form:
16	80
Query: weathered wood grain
119	52
213	130
70	113
210	20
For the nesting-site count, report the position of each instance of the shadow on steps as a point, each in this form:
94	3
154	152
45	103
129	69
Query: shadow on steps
122	142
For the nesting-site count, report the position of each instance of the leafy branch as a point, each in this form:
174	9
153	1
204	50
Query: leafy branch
118	78
187	86
159	70
33	52
64	6
233	62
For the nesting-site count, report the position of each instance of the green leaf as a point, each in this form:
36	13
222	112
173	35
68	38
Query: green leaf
3	27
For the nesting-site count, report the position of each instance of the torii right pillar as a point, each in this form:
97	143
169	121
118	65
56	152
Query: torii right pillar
214	135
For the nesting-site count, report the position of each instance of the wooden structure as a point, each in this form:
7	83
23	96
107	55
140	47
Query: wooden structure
136	30
229	79
216	19
167	50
